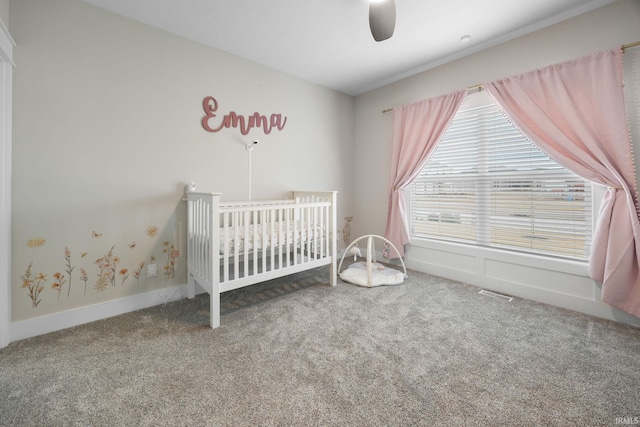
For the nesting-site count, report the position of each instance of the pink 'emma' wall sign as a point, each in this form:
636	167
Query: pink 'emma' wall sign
234	120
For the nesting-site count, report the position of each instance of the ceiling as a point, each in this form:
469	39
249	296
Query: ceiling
328	42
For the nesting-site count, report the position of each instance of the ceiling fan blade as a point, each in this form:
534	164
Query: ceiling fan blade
382	19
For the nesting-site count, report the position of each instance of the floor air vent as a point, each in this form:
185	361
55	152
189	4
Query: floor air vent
497	296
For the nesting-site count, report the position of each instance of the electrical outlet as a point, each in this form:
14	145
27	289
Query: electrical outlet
152	270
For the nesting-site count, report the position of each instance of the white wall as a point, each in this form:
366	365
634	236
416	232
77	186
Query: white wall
561	283
107	132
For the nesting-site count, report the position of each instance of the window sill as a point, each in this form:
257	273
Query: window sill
561	265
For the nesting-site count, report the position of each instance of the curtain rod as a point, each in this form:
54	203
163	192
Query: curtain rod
627	46
480	87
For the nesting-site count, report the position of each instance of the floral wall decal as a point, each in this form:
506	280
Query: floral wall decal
172	254
84	277
123	275
33	285
152	231
35	242
138	271
107	275
109	270
67	257
59	282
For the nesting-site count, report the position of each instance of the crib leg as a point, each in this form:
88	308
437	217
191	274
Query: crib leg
191	286
215	308
333	280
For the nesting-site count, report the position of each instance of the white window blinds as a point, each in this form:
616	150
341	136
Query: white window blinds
487	184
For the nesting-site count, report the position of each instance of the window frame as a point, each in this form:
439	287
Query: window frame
478	100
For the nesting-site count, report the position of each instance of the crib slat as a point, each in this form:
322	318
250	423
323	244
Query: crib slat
264	240
308	233
236	245
279	238
327	231
245	257
294	237
256	249
321	229
287	226
225	246
271	231
205	267
199	239
315	233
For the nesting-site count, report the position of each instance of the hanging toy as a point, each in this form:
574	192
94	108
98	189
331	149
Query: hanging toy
355	251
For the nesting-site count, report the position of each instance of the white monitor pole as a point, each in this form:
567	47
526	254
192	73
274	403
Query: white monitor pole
250	150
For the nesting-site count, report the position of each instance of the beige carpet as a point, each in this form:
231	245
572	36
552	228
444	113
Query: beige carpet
296	352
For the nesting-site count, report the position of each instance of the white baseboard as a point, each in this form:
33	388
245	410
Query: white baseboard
592	307
78	316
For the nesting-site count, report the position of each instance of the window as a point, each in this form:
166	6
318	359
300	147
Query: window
486	184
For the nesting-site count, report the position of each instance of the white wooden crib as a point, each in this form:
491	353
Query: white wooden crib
237	244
